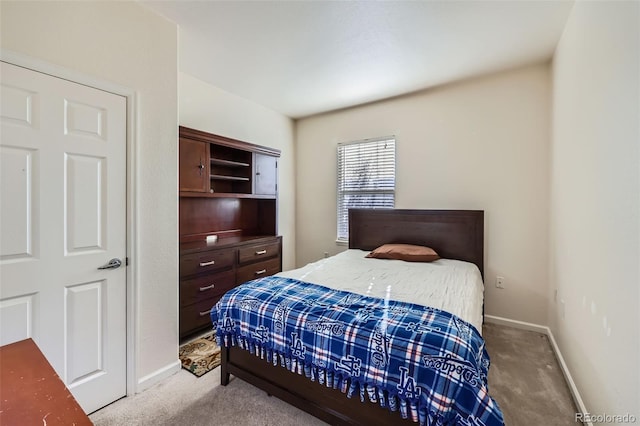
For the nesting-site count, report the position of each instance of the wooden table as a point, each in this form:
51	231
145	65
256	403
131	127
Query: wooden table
31	393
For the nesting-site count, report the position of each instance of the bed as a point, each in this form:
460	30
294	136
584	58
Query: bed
456	235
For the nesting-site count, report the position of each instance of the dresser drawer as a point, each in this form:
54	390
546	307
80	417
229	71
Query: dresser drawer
258	270
258	252
197	316
205	287
206	261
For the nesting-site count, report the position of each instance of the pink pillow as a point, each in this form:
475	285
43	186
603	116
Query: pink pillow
406	252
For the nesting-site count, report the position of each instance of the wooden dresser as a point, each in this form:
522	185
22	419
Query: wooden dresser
207	271
228	189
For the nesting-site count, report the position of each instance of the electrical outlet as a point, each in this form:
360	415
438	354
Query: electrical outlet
500	282
555	295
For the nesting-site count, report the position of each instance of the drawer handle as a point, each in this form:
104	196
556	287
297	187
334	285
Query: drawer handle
205	313
258	253
209	287
208	263
261	271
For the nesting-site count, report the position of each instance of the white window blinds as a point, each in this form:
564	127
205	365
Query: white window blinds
366	178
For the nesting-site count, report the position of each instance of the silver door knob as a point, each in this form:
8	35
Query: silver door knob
113	264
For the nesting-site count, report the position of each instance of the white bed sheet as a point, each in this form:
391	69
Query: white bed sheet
450	285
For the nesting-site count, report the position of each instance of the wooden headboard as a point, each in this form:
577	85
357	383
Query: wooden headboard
454	234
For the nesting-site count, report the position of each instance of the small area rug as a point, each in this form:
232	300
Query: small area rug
201	355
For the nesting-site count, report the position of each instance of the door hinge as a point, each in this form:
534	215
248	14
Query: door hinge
126	261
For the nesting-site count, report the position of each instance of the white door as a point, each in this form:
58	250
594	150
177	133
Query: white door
63	215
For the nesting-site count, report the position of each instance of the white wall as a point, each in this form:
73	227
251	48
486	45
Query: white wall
479	144
595	190
128	45
205	107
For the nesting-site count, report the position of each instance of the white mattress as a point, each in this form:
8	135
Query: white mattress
451	285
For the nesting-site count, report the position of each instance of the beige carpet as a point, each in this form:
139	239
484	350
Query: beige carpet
524	379
201	355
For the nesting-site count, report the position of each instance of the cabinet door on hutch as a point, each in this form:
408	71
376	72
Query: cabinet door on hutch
194	166
265	174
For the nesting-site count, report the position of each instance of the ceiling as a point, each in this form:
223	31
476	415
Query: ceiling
306	57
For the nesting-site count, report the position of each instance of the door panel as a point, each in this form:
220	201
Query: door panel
85	204
17	105
84	321
16	318
266	174
16	226
63	215
194	166
84	120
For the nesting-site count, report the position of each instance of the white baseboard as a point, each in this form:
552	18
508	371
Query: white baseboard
158	375
517	324
543	329
577	399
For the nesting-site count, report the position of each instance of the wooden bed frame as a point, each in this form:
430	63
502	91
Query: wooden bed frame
454	234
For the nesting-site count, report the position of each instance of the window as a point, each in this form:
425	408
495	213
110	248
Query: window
366	178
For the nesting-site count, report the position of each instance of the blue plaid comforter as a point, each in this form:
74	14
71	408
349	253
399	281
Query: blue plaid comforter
426	363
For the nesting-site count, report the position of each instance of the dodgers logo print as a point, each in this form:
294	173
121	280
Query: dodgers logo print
407	387
297	347
380	355
363	314
420	328
449	365
350	365
227	325
261	334
280	315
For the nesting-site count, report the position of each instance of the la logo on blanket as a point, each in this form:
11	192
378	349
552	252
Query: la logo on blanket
297	347
261	334
407	387
350	365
